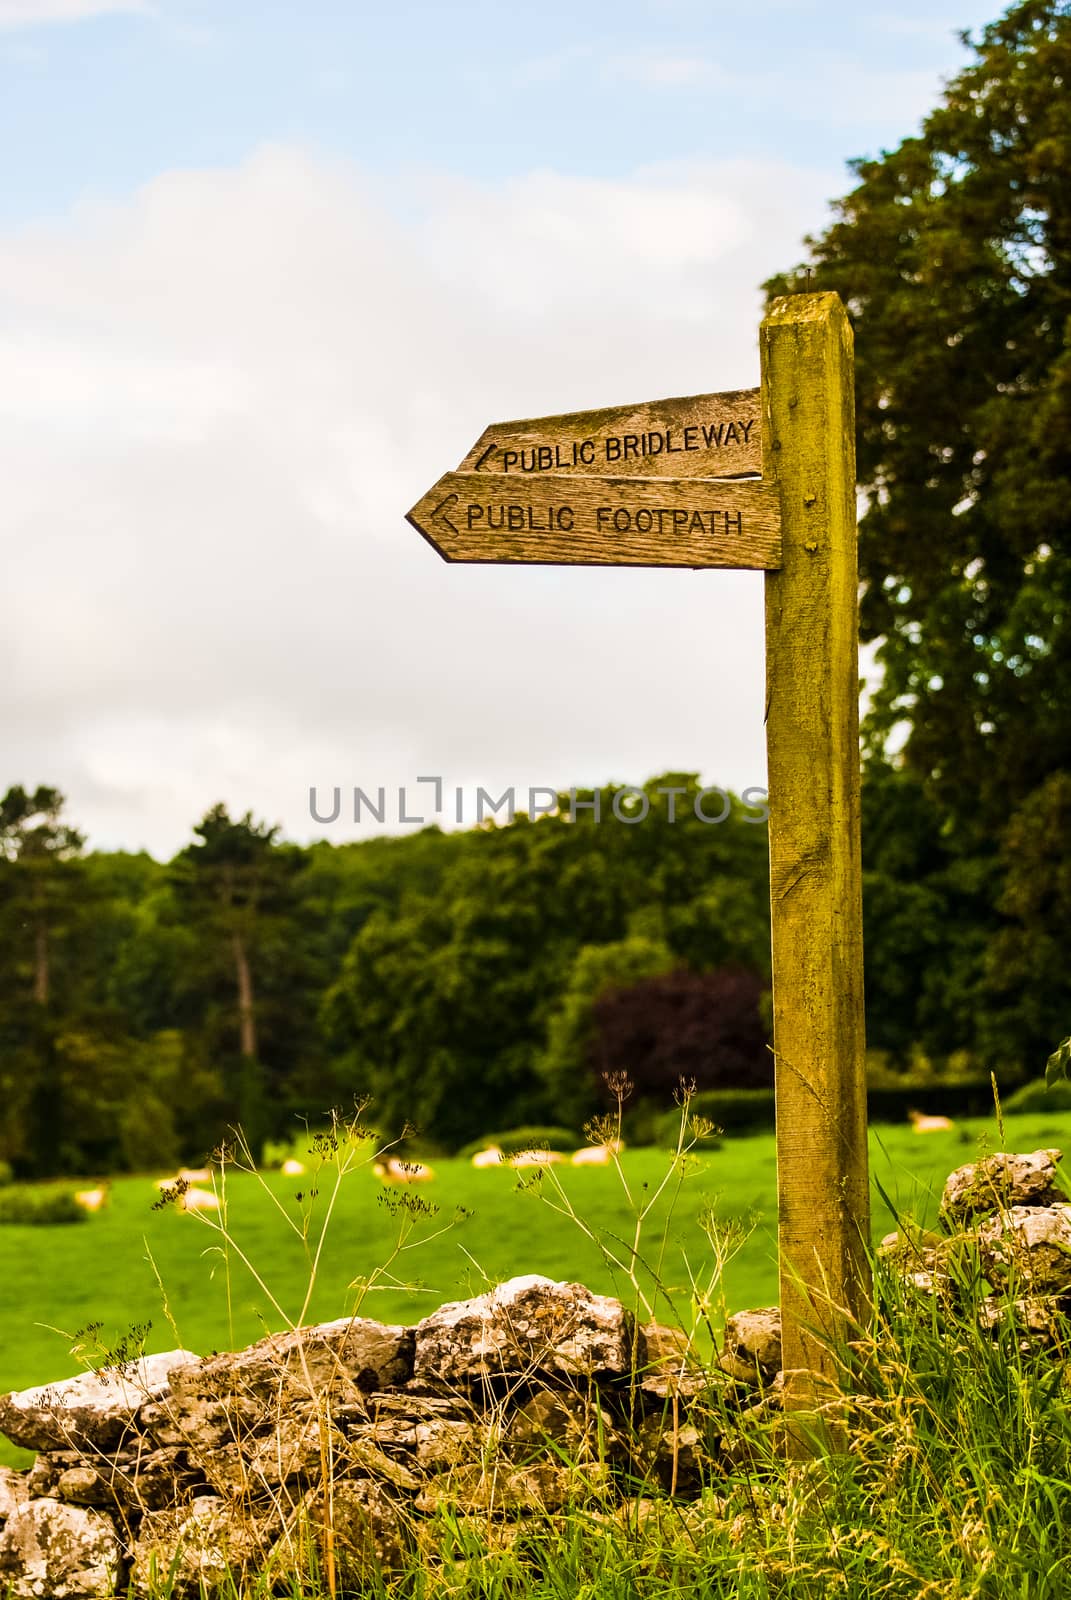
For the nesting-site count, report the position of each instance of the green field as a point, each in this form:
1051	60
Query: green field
63	1277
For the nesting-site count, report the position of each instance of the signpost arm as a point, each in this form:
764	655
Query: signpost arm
812	698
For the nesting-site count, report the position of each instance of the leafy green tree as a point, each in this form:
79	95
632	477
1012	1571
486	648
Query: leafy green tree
928	914
234	891
1027	974
569	1066
40	914
227	876
704	1028
953	255
444	1005
35	848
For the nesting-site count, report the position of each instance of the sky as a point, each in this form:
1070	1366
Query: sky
267	271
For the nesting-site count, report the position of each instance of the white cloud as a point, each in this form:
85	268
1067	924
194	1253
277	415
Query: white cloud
32	13
222	397
666	72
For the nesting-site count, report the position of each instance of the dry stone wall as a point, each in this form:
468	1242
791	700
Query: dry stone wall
349	1440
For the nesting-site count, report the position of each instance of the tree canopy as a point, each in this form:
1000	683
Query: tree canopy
953	256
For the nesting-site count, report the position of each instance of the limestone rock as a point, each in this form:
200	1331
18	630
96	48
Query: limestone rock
14	1491
352	1355
194	1419
1031	1244
131	1480
155	1479
363	1458
676	1456
753	1342
291	1448
94	1408
43	1476
1038	1323
51	1551
370	1537
667	1364
415	1403
442	1443
498	1487
84	1486
201	1543
1001	1182
525	1326
216	1404
560	1422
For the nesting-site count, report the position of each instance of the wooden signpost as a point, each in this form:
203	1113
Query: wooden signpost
653	485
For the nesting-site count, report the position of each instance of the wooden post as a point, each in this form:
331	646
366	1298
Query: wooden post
812	716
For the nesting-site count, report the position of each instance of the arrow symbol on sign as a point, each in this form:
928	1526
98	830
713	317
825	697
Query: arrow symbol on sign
441	514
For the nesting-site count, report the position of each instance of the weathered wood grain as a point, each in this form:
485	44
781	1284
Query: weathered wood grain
620	522
698	436
812	741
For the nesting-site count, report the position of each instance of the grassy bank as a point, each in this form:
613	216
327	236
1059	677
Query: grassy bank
109	1270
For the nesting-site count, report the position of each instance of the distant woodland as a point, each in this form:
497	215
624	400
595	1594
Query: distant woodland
467	981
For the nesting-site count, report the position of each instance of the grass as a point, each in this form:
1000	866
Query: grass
957	1477
62	1278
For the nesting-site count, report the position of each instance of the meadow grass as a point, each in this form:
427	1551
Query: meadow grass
54	1281
956	1478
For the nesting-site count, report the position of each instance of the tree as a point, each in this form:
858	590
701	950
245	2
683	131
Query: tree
567	1066
462	1009
34	848
234	890
703	1027
953	256
226	875
1027	972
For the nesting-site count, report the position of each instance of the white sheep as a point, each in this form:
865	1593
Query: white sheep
597	1155
923	1124
534	1158
291	1168
491	1157
394	1171
91	1199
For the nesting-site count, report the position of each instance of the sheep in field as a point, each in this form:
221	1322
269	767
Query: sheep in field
491	1157
91	1199
199	1200
597	1155
291	1168
534	1158
394	1171
923	1124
